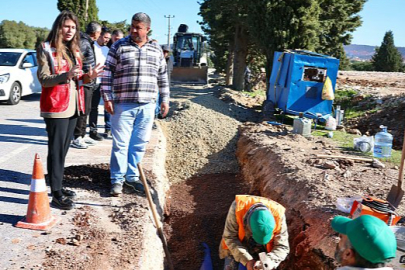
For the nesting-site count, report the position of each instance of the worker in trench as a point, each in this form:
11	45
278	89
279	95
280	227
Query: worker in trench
365	242
255	234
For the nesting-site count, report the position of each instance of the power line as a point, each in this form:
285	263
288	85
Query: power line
158	8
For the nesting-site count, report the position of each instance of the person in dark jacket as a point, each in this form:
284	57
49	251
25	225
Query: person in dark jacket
93	31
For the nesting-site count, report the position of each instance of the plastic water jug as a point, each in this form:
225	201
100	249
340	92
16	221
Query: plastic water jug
302	126
339	115
382	143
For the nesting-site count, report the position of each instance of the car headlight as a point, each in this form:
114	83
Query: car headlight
4	78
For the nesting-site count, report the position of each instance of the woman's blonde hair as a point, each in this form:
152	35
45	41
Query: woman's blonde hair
56	40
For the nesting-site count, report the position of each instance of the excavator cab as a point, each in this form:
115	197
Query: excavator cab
190	65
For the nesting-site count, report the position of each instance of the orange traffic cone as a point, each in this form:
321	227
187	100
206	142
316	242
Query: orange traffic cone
39	213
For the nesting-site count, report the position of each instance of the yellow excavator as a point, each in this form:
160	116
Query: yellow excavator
189	61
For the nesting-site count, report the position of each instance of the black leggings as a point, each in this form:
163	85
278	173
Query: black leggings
94	108
60	131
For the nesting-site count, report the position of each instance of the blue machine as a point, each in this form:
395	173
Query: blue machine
297	81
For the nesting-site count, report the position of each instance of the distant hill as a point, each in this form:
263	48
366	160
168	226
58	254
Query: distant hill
364	52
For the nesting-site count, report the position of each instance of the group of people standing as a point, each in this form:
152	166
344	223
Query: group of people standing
75	70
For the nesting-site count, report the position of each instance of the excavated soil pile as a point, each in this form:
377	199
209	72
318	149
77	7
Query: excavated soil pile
111	240
202	133
284	167
382	94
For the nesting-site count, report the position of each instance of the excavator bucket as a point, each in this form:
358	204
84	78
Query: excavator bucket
191	75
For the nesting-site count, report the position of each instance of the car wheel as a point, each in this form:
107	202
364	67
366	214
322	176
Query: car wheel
15	94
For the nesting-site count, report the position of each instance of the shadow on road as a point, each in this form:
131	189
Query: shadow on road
24	132
30	98
14	190
22	140
8	195
37	121
15	177
13	200
10	219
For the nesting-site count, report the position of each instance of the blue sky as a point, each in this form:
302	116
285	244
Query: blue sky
379	16
43	14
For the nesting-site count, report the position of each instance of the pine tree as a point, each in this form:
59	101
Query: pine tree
122	25
387	57
272	25
283	25
79	8
219	23
338	18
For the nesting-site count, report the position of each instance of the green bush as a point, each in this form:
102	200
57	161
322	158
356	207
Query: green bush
361	66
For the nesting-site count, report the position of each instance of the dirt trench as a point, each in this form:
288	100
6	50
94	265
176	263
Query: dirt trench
274	176
206	174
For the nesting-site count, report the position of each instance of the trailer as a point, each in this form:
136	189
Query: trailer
297	81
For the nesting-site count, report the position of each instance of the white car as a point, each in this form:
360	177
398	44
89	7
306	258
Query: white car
18	74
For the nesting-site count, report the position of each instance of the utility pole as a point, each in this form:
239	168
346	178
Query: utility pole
168	35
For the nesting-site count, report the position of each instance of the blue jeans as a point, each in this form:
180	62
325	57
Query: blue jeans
131	128
107	121
158	103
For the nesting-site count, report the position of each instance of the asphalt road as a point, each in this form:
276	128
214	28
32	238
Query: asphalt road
22	135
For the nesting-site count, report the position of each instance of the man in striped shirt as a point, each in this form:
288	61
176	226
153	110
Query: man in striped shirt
135	71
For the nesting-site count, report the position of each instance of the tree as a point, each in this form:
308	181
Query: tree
387	57
266	25
218	26
361	66
271	25
123	26
41	34
283	25
337	19
16	35
79	8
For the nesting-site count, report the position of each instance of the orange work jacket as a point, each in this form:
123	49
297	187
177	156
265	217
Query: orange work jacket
243	204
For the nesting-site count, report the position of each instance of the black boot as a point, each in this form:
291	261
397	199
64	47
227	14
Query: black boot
69	193
95	136
63	203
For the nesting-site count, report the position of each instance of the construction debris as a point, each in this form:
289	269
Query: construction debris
377	164
346	157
